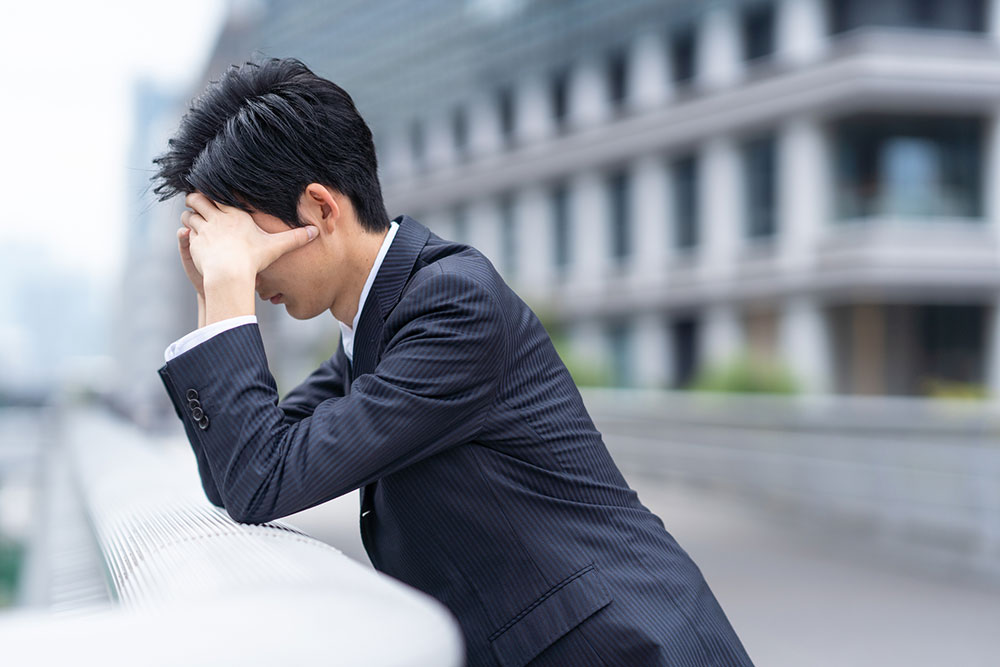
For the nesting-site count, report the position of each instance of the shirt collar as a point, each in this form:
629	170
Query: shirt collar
347	332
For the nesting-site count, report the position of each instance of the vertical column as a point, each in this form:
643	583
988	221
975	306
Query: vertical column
993	19
649	83
484	228
589	346
991	179
590	233
721	334
719	64
534	120
533	237
806	343
440	146
651	368
588	99
993	350
803	192
484	125
649	219
801	31
397	163
719	196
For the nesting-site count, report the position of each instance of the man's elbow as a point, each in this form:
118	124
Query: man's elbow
241	513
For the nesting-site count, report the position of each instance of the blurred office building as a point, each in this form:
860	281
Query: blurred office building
672	183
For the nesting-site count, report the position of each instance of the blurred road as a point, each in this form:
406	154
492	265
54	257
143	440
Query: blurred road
795	597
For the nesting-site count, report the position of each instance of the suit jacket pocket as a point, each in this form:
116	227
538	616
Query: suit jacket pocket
552	615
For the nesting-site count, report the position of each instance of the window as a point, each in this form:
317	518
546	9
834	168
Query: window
508	235
560	226
685	351
505	107
460	131
758	32
760	186
685	182
618	195
961	15
682	56
417	143
559	93
617	78
909	167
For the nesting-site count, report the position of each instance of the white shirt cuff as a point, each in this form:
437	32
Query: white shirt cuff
199	336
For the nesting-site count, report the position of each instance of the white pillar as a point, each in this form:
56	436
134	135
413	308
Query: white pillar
991	192
719	198
719	62
397	163
650	351
650	221
588	101
589	345
721	334
484	125
803	192
590	233
649	84
440	146
533	235
806	344
993	19
993	351
483	225
801	32
534	119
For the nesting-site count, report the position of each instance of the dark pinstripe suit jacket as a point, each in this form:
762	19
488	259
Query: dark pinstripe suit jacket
484	481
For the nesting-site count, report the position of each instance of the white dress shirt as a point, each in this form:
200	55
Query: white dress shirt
198	336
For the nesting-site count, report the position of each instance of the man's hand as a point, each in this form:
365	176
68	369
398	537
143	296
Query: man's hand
184	248
226	244
227	250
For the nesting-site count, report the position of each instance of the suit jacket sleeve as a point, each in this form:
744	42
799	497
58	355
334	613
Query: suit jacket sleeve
325	382
432	389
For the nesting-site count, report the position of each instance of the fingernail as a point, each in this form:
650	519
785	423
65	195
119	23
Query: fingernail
311	231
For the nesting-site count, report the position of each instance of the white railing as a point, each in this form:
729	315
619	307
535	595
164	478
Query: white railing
193	587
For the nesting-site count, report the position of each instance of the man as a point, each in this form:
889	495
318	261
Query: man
483	479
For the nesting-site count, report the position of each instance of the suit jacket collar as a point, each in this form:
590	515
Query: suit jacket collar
397	265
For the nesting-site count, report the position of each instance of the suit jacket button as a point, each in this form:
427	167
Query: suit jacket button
197	414
194	403
192	393
203	422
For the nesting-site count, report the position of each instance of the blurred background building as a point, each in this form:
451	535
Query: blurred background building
673	184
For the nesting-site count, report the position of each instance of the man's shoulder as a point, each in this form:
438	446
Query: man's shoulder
456	268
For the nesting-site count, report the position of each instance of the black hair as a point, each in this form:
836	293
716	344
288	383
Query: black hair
257	136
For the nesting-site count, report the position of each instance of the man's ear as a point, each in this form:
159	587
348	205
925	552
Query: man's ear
319	207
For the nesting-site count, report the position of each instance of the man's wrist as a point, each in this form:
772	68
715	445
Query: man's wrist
201	309
228	296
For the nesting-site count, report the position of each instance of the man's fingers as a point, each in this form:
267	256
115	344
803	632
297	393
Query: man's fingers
192	220
284	242
201	204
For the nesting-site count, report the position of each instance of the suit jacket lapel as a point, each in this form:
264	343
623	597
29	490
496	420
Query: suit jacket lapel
397	265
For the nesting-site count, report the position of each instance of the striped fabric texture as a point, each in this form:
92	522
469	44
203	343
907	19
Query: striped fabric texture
484	481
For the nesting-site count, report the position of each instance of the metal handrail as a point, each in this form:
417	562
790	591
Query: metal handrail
194	587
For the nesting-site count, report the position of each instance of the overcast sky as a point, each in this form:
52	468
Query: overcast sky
66	72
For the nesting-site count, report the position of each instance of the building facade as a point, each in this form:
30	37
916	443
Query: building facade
675	182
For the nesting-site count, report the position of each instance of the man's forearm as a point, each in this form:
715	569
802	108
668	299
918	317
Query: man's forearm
201	310
227	297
